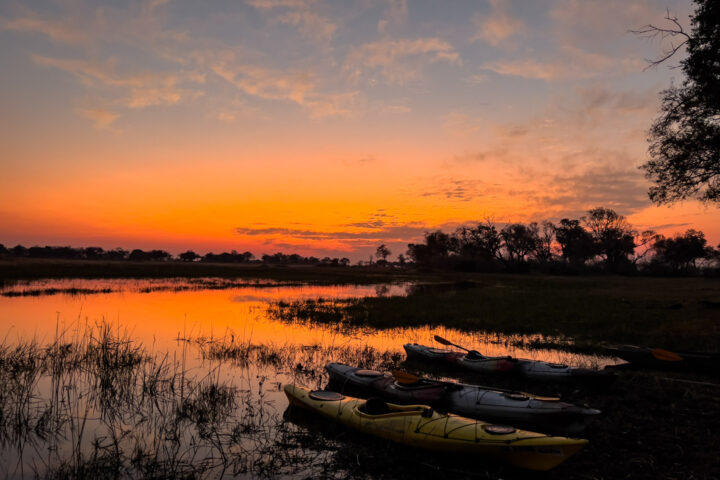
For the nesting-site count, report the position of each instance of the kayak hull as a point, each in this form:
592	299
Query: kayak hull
421	427
472	401
531	369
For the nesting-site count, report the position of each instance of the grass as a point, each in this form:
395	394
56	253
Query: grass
95	403
669	313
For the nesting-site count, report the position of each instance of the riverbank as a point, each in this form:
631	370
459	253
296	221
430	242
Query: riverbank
573	312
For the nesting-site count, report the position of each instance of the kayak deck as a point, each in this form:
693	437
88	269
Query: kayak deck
422	427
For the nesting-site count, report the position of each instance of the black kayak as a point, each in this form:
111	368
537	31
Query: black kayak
662	359
532	369
473	401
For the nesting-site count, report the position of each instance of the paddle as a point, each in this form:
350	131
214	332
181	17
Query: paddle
665	355
440	339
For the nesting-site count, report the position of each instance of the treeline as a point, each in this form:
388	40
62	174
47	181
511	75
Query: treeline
137	255
600	241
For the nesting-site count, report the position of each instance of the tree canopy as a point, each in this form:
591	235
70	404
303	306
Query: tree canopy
685	138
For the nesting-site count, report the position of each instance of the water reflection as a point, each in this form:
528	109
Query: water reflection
178	378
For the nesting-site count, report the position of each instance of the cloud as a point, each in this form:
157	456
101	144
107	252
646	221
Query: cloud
462	190
138	90
310	25
461	124
571	64
395	15
398	61
295	86
379	227
271	4
622	189
55	30
497	27
101	117
495	155
597	24
300	15
367	159
398	233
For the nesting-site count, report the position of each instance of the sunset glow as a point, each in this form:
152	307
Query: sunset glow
322	127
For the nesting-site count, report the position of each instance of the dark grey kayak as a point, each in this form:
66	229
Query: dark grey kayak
515	408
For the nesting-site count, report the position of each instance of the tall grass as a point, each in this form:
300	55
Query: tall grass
95	403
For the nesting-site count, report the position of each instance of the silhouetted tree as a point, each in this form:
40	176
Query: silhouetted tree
481	243
519	241
188	256
614	238
138	255
435	250
576	243
382	252
93	253
682	251
685	138
344	261
3	250
117	254
545	238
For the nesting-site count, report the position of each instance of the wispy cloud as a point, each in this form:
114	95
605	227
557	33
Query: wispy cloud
461	124
136	90
300	15
271	4
296	86
102	118
310	25
54	30
572	64
398	61
395	15
497	27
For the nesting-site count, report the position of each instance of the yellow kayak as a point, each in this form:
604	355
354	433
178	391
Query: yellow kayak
420	426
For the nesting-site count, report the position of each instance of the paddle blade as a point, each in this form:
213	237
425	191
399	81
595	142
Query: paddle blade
440	339
405	378
666	355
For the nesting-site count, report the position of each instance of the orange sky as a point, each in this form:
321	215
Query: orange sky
322	128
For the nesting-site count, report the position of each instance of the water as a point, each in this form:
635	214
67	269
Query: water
187	371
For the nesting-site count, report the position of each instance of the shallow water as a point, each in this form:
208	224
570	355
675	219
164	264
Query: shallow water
206	331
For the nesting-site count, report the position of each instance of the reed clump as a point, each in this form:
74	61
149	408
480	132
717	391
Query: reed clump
96	403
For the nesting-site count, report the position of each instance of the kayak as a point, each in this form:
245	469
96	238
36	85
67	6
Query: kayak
422	427
665	359
516	408
533	369
471	360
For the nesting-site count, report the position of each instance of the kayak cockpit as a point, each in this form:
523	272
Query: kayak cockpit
374	407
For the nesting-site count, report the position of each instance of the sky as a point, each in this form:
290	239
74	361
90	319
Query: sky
324	127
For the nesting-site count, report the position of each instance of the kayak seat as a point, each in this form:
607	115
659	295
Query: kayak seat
375	406
472	354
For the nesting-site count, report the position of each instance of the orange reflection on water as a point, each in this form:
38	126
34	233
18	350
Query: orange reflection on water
168	311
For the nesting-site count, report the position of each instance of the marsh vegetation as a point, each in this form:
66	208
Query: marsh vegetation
184	382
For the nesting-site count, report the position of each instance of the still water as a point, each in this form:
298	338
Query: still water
177	377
